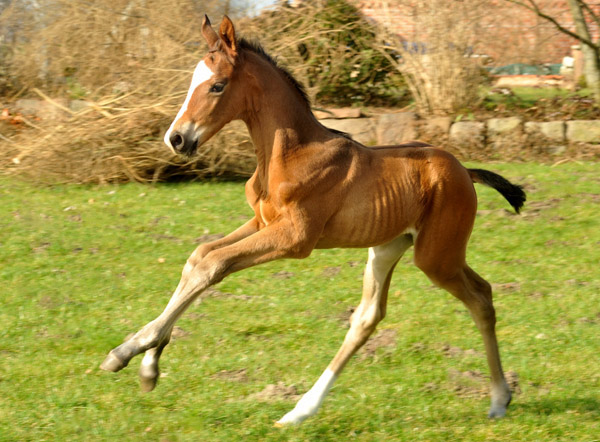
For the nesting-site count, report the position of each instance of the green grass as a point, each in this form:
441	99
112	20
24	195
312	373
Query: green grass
81	267
524	97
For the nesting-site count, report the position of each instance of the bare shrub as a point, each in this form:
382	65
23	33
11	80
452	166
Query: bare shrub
131	62
332	49
436	57
95	148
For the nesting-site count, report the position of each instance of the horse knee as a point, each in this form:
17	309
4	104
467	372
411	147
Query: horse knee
203	271
199	254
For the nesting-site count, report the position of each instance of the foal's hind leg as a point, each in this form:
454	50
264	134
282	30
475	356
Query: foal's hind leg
371	310
447	268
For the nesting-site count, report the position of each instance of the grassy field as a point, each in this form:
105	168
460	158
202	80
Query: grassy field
81	267
540	103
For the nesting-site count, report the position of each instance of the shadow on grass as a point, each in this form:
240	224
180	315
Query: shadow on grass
574	405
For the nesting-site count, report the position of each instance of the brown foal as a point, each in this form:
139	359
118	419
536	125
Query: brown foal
317	188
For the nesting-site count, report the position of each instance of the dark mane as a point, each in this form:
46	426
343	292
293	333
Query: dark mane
255	47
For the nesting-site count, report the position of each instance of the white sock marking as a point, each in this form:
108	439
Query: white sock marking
309	404
202	74
148	359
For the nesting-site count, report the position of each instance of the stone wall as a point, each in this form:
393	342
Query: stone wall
394	128
399	127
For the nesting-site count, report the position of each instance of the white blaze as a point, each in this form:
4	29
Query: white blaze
202	74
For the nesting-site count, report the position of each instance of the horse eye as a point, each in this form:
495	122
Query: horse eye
217	88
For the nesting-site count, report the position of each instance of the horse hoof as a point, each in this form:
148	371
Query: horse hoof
148	382
497	413
112	363
499	405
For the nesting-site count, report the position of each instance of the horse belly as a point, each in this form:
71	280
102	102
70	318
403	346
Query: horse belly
372	224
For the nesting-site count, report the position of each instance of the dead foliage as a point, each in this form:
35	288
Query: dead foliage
130	63
435	57
126	146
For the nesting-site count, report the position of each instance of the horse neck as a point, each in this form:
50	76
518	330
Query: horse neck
278	118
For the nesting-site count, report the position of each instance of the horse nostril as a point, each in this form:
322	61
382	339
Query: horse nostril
176	141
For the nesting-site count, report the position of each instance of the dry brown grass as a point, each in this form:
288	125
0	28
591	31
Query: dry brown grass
131	61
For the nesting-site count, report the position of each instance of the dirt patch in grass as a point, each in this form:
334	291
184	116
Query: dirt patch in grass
506	287
385	339
536	208
344	317
239	375
512	379
179	333
276	392
283	275
212	292
468	384
474	384
455	352
330	272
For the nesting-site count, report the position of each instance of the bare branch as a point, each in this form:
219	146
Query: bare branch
532	6
590	11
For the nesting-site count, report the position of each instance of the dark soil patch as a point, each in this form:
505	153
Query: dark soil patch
512	379
355	263
179	333
507	287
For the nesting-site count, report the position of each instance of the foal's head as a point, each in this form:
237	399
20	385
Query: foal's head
215	96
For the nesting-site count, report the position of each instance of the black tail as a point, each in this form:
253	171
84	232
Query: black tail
513	193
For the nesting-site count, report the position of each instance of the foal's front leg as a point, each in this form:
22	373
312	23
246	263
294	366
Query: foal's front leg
278	240
149	370
155	335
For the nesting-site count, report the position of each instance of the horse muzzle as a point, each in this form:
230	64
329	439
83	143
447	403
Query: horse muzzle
182	144
183	141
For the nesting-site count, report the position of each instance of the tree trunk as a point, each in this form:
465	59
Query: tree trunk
591	54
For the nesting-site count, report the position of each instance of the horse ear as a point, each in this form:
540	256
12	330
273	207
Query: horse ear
227	34
209	33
